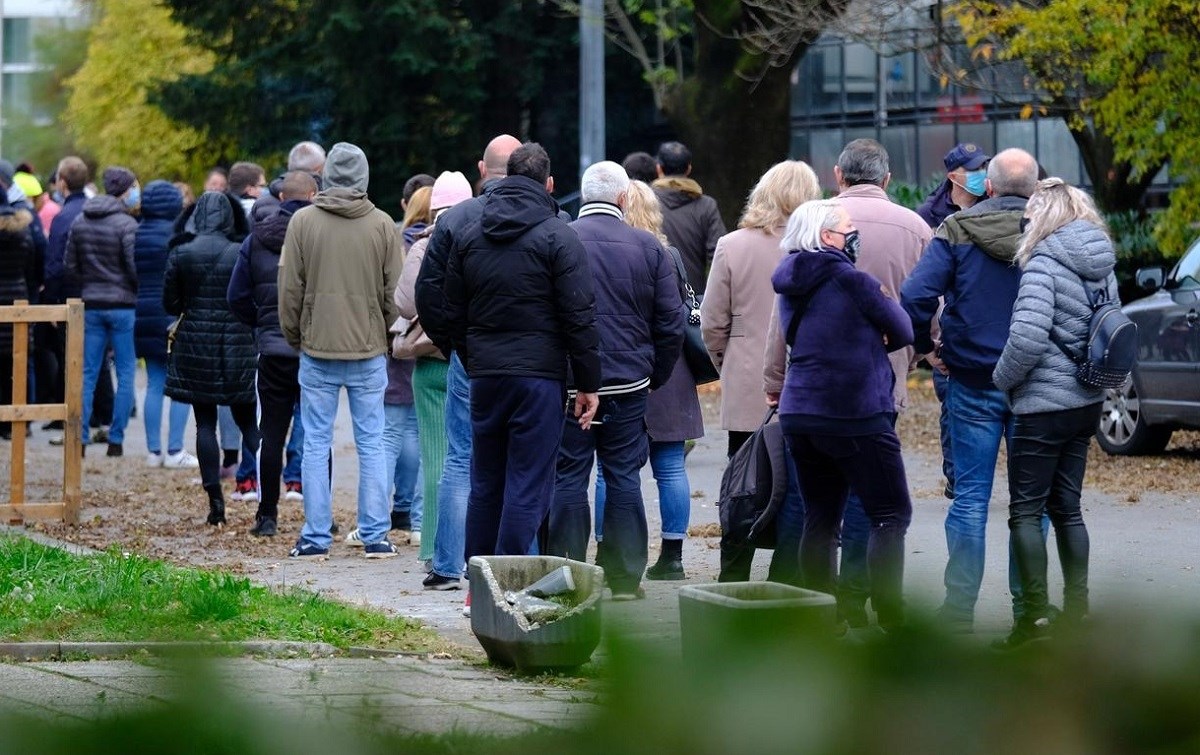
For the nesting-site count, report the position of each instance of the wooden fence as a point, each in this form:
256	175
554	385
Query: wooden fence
19	413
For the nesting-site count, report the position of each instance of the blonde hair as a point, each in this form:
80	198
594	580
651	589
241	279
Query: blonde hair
803	232
782	189
1054	203
418	208
642	210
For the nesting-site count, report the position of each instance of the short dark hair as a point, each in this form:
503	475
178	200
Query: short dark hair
640	166
530	160
297	183
416	182
74	172
218	170
244	175
674	158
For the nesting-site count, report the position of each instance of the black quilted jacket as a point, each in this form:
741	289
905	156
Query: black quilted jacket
213	357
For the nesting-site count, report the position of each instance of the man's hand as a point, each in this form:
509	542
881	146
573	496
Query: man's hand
773	399
586	405
936	363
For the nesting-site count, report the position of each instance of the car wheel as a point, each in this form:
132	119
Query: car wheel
1122	428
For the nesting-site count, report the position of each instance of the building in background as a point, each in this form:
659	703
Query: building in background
23	22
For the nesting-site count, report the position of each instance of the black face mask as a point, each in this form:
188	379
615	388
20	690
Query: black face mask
1023	225
850	243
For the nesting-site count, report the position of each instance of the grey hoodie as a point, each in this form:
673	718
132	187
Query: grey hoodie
1034	372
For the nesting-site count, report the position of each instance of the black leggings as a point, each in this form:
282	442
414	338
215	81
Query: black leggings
207	448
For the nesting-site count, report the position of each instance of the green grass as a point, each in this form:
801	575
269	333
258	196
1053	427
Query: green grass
50	595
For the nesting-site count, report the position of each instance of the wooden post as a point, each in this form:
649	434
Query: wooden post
20	387
72	451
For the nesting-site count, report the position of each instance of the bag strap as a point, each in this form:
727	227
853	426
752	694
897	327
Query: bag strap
1096	299
689	294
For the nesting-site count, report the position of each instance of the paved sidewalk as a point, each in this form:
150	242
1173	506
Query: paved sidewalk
402	695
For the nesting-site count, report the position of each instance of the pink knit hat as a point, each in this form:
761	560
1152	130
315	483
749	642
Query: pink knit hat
449	189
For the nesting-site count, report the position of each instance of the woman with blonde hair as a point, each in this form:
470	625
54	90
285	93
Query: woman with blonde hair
1068	259
738	299
673	417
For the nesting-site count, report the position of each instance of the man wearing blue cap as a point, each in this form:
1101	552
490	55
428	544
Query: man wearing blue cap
963	187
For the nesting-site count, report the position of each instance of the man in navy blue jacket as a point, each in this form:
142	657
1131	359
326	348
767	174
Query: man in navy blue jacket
641	331
971	263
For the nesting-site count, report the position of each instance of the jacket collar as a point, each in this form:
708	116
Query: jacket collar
601	208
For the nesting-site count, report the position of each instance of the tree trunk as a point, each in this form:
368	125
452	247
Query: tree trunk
1113	184
736	128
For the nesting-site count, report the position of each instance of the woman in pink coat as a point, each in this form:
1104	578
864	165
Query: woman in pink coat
739	298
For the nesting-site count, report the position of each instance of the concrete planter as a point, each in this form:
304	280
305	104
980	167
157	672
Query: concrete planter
713	616
509	638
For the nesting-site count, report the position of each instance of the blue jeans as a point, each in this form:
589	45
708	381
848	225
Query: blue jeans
674	491
620	441
103	328
941	386
321	381
979	418
454	490
156	380
404	458
295	448
231	440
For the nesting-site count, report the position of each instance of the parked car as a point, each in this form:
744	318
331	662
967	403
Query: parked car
1163	394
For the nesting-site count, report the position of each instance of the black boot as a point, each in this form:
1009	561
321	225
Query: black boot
216	504
670	562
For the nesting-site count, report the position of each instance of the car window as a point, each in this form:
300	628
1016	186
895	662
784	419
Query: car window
1187	272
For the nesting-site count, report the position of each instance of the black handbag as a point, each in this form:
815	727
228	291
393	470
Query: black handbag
695	353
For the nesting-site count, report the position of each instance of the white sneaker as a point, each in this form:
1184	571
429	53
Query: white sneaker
154	460
353	539
181	460
414	537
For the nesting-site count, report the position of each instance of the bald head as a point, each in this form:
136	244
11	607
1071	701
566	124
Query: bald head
495	157
1013	172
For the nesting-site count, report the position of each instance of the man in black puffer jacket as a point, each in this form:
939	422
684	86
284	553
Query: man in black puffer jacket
254	299
100	259
519	303
641	331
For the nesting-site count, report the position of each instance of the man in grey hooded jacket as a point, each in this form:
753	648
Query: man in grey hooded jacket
340	263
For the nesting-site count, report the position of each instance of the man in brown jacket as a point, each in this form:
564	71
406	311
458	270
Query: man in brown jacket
340	263
691	221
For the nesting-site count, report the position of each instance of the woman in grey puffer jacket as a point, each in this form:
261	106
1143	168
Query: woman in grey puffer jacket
1065	253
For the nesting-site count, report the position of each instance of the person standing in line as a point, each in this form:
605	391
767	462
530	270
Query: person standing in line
445	525
340	264
1068	259
837	407
212	359
19	271
691	219
253	296
161	204
100	258
519	307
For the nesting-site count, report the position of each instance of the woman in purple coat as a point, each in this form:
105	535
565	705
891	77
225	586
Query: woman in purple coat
836	407
672	417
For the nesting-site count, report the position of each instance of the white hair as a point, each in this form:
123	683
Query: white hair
307	156
603	182
804	227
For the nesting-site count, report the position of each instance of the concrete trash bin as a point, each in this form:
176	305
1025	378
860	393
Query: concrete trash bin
713	616
509	638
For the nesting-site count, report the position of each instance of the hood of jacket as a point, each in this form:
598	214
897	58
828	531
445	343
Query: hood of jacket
214	214
993	225
1082	247
346	167
676	191
801	273
15	219
102	205
348	203
516	205
161	201
270	231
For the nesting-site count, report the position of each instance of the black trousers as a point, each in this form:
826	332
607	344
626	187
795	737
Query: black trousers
1046	462
208	450
829	467
278	394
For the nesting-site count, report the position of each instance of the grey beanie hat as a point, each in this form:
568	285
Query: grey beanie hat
346	166
117	180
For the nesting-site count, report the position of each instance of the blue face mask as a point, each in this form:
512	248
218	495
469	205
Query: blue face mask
133	197
975	184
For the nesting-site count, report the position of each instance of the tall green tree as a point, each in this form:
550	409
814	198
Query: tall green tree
1120	75
133	48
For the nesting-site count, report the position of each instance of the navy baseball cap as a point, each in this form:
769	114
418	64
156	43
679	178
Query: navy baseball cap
968	156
